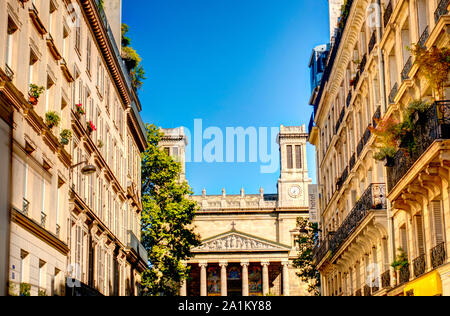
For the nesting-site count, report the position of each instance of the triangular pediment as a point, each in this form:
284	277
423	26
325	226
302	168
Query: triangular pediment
234	241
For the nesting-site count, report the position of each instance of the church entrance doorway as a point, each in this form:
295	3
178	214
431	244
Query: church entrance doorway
234	276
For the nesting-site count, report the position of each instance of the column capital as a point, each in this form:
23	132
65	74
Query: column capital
203	264
265	263
245	263
223	263
285	263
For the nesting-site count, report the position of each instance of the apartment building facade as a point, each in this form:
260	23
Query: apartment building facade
75	184
370	209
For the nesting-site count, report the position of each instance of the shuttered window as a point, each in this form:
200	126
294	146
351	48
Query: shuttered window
419	234
298	157
437	221
290	163
404	239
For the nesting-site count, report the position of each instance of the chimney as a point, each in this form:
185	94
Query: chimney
113	10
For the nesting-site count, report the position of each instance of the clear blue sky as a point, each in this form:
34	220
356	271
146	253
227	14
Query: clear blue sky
231	63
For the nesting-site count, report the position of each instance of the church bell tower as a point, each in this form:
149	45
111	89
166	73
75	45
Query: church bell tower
294	180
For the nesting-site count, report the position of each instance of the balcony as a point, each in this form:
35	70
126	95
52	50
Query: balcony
374	198
373	41
438	255
320	252
340	120
358	292
441	10
404	275
9	72
424	37
393	94
387	14
386	280
407	69
135	245
435	126
352	161
25	207
419	265
363	142
43	221
367	291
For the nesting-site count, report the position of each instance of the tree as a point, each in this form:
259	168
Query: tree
167	217
304	262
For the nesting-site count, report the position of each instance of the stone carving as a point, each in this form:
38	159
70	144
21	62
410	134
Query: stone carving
236	242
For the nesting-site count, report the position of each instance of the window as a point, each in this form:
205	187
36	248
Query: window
290	164
437	222
420	240
88	55
42	275
298	157
78	36
404	238
12	28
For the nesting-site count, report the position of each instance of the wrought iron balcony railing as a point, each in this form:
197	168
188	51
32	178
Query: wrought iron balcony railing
367	291
340	120
352	161
374	198
320	252
349	98
363	142
9	72
393	93
25	207
407	69
424	37
435	125
43	219
386	280
404	275
387	14
438	255
372	42
358	292
419	265
441	10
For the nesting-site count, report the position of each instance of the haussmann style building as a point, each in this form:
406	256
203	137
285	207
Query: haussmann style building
72	135
369	209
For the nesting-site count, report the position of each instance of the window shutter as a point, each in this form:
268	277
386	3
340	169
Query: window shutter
289	157
298	157
404	239
419	234
437	219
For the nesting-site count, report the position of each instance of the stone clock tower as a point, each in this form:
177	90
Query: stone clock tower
294	180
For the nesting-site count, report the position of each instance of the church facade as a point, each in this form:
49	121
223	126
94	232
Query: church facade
248	241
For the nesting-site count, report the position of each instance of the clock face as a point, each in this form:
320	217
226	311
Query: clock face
295	191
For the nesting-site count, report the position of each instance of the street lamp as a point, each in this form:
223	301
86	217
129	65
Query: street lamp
86	170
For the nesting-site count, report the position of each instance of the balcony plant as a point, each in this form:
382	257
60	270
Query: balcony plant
91	127
42	292
52	119
386	139
100	144
66	136
34	93
401	261
435	65
25	289
80	109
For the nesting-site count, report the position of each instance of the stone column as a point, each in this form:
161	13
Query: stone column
245	265
223	278
203	287
285	278
265	277
183	288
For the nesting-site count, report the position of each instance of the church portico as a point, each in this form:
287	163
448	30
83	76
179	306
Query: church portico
236	277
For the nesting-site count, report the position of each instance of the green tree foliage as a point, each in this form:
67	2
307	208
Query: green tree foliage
304	262
132	60
167	231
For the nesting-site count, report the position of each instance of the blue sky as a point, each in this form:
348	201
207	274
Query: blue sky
231	63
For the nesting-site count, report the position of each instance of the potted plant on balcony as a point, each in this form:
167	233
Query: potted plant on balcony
386	140
34	93
52	119
66	136
401	263
91	127
435	65
25	289
80	109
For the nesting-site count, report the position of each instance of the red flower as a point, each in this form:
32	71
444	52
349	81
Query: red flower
91	126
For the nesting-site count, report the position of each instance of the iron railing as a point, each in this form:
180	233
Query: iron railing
435	124
25	207
374	198
404	275
386	280
372	42
407	69
424	37
441	10
363	142
320	252
393	93
58	231
352	161
340	120
419	265
43	219
438	255
367	291
9	72
349	98
387	14
358	292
